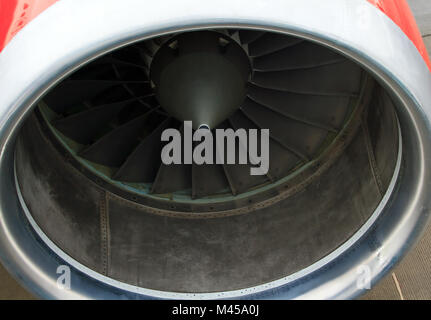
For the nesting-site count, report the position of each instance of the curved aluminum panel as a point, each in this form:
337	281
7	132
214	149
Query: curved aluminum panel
399	11
353	27
15	14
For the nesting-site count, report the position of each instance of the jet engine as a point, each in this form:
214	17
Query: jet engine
88	88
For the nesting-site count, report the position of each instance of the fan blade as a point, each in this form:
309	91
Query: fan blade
145	55
248	36
72	92
238	175
162	39
84	126
208	179
281	161
303	55
336	79
304	140
115	61
172	178
328	112
271	42
113	148
143	163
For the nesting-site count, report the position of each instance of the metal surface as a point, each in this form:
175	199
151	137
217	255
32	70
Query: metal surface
16	14
379	247
399	11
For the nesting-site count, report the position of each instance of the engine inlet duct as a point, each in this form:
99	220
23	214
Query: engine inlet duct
345	102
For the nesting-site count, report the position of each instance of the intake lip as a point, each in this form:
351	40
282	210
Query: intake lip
395	62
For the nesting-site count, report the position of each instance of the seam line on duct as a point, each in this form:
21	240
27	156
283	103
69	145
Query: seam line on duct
104	232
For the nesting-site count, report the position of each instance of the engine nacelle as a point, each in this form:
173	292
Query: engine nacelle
89	87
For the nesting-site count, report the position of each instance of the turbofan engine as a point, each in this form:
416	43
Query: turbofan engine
89	87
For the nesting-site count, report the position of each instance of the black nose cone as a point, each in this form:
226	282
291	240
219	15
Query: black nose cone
201	76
